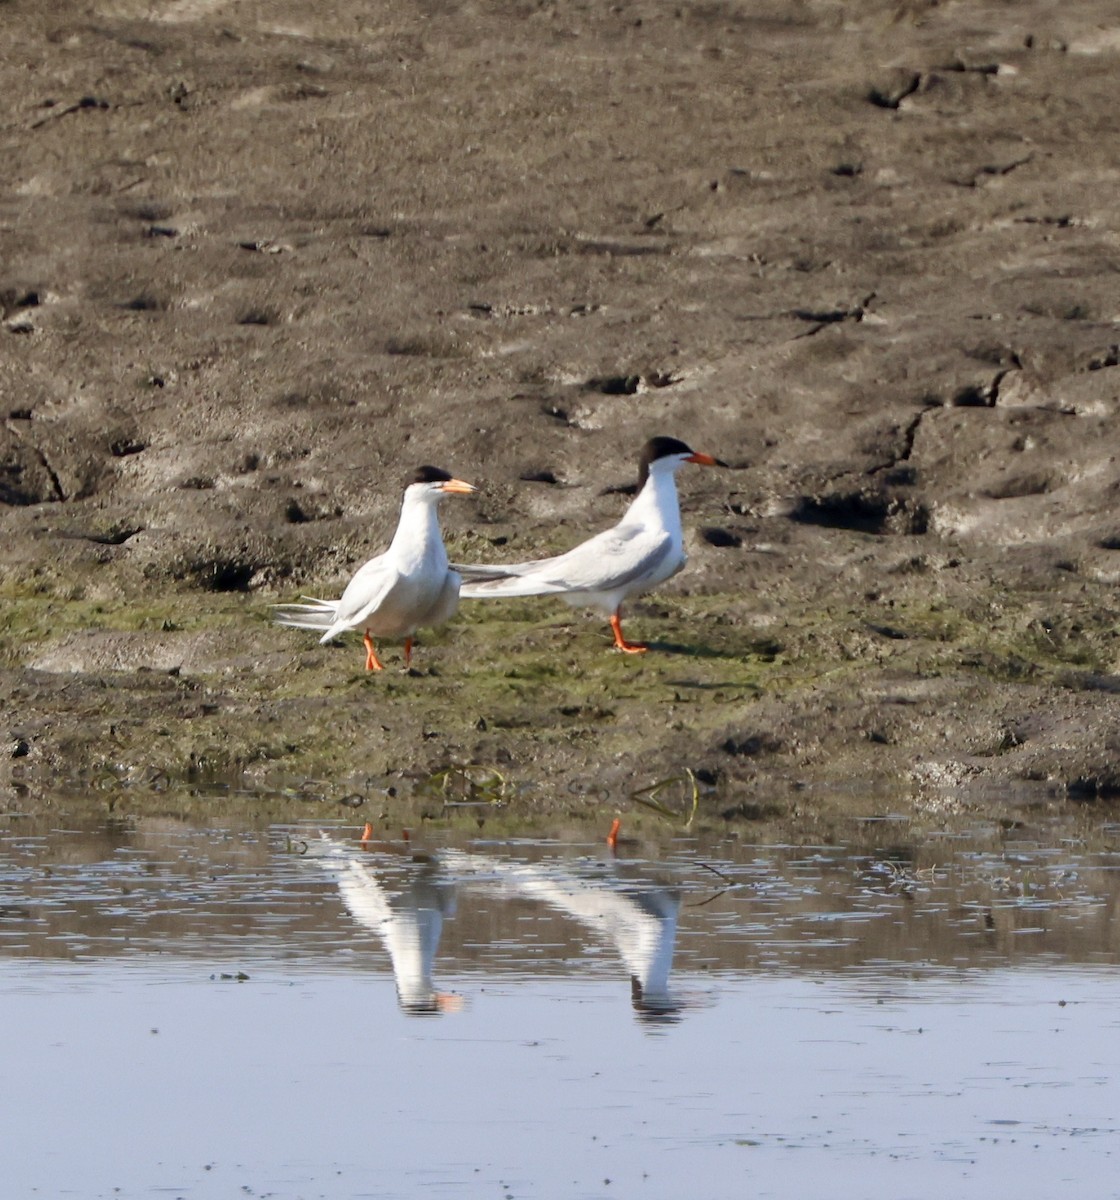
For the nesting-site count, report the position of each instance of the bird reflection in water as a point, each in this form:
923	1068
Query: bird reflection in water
637	918
407	918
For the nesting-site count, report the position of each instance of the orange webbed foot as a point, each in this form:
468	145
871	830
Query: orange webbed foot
631	647
621	643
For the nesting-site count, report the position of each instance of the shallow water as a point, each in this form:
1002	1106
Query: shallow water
275	1012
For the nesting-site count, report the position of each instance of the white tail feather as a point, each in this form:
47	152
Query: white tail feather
316	614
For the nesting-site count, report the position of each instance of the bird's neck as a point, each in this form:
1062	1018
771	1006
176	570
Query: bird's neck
418	534
656	504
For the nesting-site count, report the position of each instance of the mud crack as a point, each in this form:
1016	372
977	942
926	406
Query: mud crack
822	318
84	103
892	96
52	475
980	395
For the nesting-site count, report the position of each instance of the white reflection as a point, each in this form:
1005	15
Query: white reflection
404	903
408	919
639	919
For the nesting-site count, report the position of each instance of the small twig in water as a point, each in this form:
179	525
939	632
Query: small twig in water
475	783
715	871
646	797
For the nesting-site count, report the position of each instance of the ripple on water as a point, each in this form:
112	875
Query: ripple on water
926	1019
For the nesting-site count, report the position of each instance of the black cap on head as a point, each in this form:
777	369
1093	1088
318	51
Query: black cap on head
429	475
655	448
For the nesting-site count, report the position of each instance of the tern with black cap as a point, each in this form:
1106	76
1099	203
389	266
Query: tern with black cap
409	587
644	549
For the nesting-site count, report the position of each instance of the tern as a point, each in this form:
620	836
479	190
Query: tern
644	549
410	586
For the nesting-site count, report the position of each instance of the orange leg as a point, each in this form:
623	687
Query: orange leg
407	652
612	837
621	642
373	663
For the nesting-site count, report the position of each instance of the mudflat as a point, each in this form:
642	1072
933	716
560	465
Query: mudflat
261	260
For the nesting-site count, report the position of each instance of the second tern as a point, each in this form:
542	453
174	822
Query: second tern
644	549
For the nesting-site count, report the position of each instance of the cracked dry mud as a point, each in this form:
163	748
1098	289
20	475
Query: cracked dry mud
259	260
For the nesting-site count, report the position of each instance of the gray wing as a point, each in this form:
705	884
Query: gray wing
367	590
612	559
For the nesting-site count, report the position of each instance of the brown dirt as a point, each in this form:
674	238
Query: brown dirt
258	260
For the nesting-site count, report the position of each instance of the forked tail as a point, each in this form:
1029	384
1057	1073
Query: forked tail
314	614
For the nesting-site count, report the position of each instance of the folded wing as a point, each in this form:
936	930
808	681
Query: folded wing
364	594
613	559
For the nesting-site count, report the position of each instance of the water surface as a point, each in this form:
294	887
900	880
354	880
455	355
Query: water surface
280	1011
